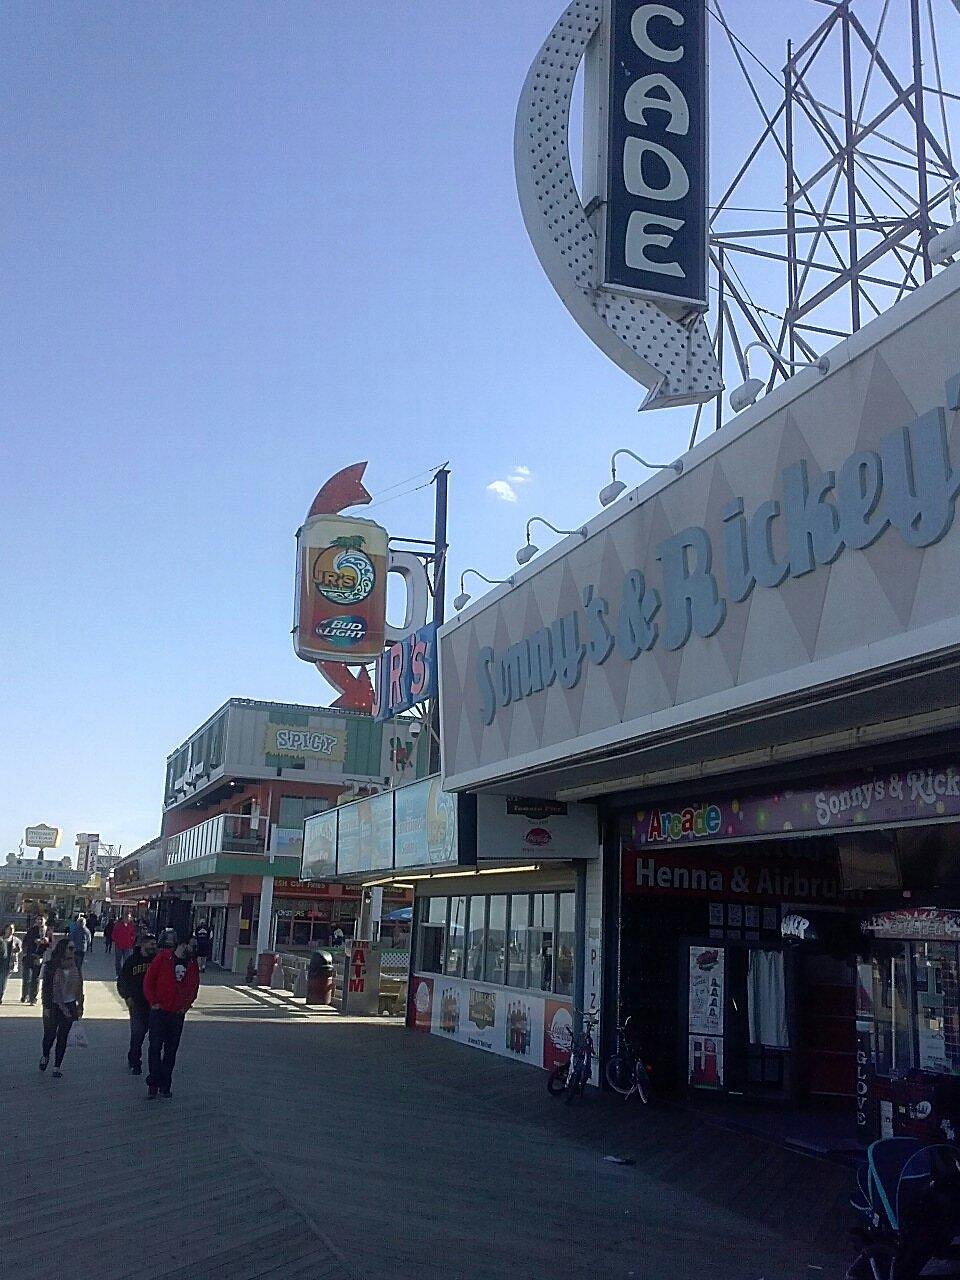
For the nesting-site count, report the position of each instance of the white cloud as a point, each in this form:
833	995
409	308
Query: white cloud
523	474
503	489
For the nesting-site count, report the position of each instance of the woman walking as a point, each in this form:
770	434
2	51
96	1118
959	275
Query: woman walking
62	999
8	957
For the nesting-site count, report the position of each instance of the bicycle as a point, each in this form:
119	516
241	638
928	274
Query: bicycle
571	1077
626	1071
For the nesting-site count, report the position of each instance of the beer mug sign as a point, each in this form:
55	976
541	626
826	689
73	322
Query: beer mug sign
341	594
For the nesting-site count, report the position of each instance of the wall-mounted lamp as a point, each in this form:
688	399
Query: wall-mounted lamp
463	599
745	395
946	244
527	553
613	490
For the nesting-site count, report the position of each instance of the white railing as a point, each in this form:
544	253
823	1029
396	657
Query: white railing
226	833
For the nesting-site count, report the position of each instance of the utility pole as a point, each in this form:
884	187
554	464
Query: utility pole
441	480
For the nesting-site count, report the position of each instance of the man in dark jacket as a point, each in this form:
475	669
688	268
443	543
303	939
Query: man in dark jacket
130	987
36	942
170	987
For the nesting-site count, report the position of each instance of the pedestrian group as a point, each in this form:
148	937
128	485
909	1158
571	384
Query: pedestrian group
158	984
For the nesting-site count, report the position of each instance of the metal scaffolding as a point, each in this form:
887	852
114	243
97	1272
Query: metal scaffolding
826	222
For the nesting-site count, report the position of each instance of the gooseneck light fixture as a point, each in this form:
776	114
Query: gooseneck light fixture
527	553
744	396
613	490
463	599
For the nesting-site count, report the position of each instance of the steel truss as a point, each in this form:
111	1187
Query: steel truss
854	161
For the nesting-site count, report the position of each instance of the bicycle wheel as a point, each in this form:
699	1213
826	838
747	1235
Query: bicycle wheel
557	1080
642	1083
619	1073
576	1080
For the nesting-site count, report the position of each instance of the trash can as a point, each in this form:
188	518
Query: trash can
320	978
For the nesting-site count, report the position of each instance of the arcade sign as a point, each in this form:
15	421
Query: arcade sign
655	199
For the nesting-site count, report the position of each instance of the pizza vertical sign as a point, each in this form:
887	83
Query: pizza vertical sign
341	595
654	208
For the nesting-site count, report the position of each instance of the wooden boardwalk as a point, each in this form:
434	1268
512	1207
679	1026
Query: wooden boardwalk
309	1147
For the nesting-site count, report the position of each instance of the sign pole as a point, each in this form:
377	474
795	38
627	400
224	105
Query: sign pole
441	480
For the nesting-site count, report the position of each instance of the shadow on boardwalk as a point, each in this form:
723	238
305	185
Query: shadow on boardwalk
303	1145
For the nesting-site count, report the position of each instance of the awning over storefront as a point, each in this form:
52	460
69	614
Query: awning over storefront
422	829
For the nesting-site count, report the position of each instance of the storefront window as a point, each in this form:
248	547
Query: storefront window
542	932
495	968
566	939
937	984
892	1012
456	934
518	949
476	934
432	934
295	809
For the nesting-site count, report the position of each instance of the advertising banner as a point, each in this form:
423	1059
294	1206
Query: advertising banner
707	874
365	840
300	743
42	837
320	846
510	827
655	211
341	598
512	1024
705	1016
426	825
924	792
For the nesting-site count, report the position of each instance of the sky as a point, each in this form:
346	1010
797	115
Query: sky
244	245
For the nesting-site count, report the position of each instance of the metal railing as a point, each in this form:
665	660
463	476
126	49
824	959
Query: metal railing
225	833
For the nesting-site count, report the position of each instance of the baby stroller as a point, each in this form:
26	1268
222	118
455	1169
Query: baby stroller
910	1199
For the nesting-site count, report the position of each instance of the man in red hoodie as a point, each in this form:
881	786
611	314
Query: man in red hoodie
170	987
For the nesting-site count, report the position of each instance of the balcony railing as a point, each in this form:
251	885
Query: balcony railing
226	833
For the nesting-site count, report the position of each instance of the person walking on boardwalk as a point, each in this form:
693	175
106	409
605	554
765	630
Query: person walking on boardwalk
108	935
93	924
79	935
7	957
204	944
130	987
170	986
62	997
124	936
36	943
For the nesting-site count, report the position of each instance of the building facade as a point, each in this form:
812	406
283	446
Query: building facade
752	669
236	795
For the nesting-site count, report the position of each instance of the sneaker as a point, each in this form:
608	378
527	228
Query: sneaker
44	1061
57	1073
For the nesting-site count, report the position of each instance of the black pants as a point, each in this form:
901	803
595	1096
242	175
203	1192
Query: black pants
165	1032
4	975
31	983
107	944
139	1022
56	1026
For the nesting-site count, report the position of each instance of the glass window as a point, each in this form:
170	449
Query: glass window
496	962
476	934
301	933
891	987
543	914
566	937
294	810
936	979
283	932
456	933
518	940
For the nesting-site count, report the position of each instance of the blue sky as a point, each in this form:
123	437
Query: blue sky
243	245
